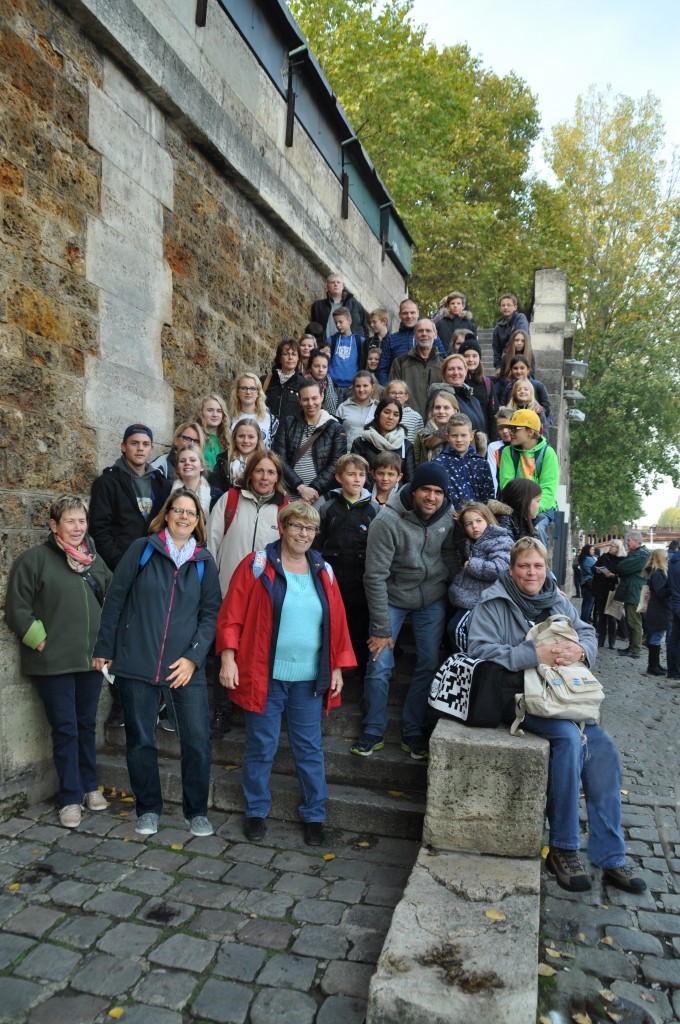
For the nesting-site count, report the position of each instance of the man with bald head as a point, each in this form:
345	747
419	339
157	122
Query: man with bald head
420	366
399	342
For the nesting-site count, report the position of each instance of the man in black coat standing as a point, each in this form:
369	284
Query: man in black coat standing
337	295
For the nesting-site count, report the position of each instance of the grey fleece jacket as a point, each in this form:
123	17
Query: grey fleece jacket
408	560
497	631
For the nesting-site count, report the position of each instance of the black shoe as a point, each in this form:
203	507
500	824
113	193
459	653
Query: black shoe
416	747
254	829
623	878
629	654
568	870
116	719
612	647
314	833
221	723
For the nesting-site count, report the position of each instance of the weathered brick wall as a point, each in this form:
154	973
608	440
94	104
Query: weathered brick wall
238	285
72	327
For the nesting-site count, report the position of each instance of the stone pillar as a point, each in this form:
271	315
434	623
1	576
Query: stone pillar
125	381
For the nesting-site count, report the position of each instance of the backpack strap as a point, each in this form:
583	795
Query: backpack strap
230	507
259	563
148	551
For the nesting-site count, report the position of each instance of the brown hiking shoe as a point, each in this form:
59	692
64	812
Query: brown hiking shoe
568	870
623	878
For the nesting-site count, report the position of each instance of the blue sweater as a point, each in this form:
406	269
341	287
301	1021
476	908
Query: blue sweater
397	344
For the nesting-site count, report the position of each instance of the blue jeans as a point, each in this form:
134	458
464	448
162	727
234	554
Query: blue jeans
303	721
428	630
140	708
71	707
588	602
595	764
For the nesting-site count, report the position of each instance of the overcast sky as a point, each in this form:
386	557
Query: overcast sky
561	48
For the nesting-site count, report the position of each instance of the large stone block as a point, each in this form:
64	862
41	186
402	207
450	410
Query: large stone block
114	134
133	101
485	791
550	288
444	960
119	267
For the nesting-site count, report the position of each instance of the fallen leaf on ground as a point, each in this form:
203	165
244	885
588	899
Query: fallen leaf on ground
582	937
35	851
544	1020
607	941
13	887
494	915
607	995
100	788
363	845
253	916
581	1018
395	792
128	800
176	846
624	792
545	850
116	1012
614	1016
546	971
329	856
647	996
554	953
230	767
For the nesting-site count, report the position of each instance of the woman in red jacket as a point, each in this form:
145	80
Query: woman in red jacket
283	638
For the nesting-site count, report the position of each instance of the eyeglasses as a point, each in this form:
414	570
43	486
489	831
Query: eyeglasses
187	439
242	387
301	529
184	512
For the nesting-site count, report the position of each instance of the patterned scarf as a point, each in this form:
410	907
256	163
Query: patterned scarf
78	559
178	555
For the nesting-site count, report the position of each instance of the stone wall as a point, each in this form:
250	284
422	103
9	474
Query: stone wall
155	238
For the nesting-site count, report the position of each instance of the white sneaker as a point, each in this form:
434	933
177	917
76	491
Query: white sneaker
199	825
147	824
95	801
70	816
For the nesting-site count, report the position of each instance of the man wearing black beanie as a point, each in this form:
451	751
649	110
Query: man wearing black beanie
409	561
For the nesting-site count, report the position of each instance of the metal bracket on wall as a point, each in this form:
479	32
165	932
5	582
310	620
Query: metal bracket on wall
201	12
290	99
384	228
344	202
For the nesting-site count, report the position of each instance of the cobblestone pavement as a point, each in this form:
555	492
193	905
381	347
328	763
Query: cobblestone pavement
171	928
607	941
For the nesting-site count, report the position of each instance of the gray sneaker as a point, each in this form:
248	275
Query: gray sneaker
147	824
199	825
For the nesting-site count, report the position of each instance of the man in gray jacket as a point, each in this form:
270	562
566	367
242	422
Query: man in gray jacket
409	561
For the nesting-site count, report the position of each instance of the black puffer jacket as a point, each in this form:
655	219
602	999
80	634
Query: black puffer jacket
326	450
656	616
282	399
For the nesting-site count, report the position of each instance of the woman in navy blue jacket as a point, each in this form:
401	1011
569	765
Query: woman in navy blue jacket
157	628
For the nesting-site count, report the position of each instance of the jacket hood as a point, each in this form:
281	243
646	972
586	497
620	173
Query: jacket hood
336	492
499	508
532	451
323	418
122	465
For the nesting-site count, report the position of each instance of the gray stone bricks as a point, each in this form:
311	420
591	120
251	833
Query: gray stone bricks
11	947
171	989
48	962
322	941
222	1001
184	952
275	1006
270	934
318	911
81	932
128	940
103	975
34	921
238	961
299	885
64	1009
249	876
288	971
115	904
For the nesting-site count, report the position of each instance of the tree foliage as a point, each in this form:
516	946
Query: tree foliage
620	201
450	139
670	517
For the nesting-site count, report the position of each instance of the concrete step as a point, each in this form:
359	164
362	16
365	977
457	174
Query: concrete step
371	811
389	768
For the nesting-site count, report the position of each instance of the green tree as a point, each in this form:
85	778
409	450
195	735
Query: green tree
450	139
670	517
620	200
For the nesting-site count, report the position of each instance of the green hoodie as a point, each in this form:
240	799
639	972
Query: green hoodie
547	479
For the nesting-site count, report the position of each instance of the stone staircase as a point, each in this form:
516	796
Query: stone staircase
383	794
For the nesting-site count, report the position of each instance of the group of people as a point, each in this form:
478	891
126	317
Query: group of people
627	590
291	532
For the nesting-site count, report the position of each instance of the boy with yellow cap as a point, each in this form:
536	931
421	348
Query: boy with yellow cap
530	456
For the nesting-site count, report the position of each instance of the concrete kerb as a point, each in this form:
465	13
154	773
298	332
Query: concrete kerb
463	942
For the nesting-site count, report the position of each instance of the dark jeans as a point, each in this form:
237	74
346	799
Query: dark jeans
588	601
190	705
606	624
71	707
673	645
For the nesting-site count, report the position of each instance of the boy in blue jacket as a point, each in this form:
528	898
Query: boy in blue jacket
469	474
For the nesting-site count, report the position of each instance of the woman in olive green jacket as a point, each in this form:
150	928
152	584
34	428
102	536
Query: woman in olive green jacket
54	600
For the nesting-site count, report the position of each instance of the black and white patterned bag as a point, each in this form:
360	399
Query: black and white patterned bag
476	693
